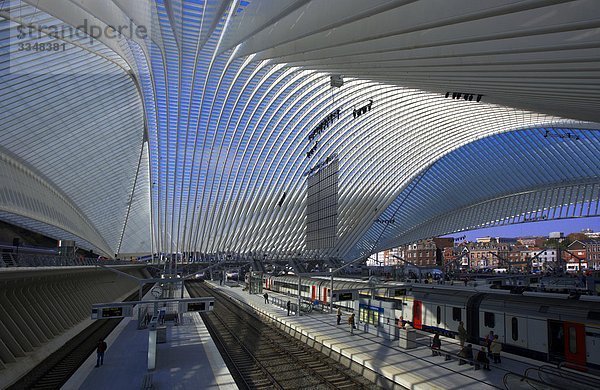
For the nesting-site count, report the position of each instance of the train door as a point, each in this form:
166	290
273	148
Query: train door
537	337
592	345
417	314
324	295
574	343
566	342
313	293
556	341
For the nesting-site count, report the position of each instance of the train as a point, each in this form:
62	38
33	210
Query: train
549	327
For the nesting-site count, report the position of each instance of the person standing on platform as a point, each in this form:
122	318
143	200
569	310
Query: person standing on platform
339	315
351	323
100	349
289	305
496	348
266	296
462	334
488	342
483	360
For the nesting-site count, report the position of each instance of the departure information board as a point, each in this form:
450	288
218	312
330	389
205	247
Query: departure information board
112	311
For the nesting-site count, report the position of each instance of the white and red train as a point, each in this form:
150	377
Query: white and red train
545	326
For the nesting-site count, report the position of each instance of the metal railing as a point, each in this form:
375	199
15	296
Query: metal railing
9	260
282	303
595	373
567	379
513	381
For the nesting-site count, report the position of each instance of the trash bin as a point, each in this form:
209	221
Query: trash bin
161	334
407	338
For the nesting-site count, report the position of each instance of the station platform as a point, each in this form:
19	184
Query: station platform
374	356
188	360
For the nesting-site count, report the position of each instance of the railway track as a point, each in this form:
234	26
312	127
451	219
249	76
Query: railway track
260	356
57	368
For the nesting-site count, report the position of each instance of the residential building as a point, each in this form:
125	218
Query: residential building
575	256
593	253
536	242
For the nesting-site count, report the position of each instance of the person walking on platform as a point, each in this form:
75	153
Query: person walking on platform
100	349
289	305
482	360
496	348
339	315
266	296
351	323
462	334
436	345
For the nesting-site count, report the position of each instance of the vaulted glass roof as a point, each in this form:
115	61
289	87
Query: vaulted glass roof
197	132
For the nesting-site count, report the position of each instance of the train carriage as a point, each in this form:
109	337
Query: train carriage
440	309
545	326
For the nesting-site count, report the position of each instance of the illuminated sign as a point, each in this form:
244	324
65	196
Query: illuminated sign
347	296
100	312
399	292
198	306
344	295
108	312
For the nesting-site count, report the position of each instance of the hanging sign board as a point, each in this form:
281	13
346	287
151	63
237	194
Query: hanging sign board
114	311
344	295
196	304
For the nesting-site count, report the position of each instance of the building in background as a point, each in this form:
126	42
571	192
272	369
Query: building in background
536	242
575	257
495	253
593	254
591	234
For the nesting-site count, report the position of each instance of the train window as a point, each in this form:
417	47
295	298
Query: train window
489	319
456	314
594	315
438	315
572	339
515	328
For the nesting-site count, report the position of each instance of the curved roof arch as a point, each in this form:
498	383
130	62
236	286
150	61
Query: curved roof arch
522	188
206	119
75	117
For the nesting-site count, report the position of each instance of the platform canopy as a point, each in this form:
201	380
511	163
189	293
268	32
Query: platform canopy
295	128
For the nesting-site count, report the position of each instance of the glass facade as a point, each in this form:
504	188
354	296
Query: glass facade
185	138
